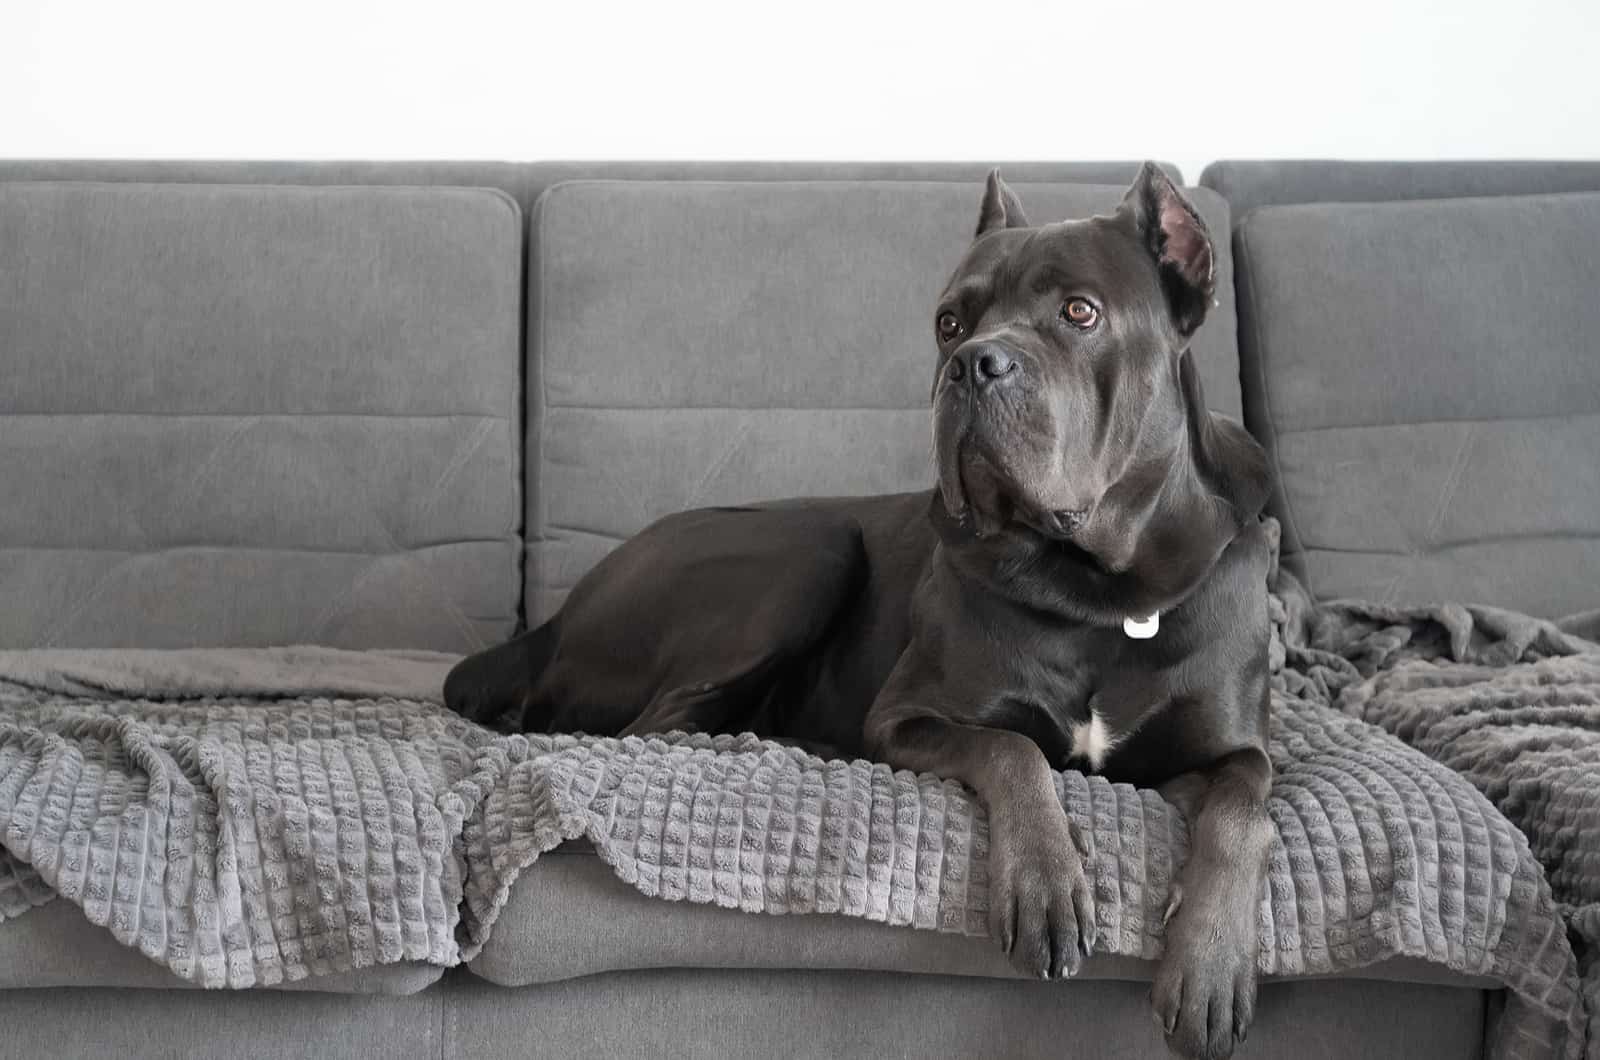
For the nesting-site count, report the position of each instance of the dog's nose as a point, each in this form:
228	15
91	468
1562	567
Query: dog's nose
993	363
982	362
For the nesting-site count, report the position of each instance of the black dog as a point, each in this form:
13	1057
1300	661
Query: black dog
1086	587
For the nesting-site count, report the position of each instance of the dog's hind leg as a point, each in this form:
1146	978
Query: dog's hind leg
686	708
688	625
725	702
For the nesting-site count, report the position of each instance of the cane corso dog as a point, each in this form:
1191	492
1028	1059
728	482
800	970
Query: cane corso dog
1085	588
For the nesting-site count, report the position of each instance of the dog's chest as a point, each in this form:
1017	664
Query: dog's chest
1091	732
1093	741
1077	723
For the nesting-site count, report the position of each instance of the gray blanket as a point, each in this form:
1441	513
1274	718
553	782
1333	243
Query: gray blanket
1510	703
250	817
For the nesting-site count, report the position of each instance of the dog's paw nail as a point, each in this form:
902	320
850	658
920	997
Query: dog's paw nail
1173	902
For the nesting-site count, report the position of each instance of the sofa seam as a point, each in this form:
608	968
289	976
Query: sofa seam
867	181
242	415
601	407
1439	421
464	191
520	483
398	550
536	357
1459	543
1244	280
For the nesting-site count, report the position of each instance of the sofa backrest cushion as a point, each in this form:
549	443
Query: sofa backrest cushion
1249	184
696	343
245	415
1427	376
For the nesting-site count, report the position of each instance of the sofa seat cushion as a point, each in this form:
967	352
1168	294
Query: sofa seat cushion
713	342
1426	377
828	1015
568	916
55	946
246	415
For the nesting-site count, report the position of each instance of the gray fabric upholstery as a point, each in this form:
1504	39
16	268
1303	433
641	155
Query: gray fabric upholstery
56	946
569	916
253	415
544	175
841	1014
207	1025
524	181
1432	401
836	1015
698	343
513	178
1249	184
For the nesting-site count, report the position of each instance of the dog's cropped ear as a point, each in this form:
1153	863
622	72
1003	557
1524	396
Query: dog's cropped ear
1176	237
1001	207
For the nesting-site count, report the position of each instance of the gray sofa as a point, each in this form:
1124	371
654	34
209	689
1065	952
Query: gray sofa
407	405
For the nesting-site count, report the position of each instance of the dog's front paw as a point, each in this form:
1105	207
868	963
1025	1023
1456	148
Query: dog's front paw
1041	910
1204	994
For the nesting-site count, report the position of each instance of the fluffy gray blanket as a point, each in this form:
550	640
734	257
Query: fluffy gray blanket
247	817
1510	703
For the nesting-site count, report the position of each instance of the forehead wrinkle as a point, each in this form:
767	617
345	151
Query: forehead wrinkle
1080	255
968	290
975	276
1010	271
1067	257
1057	276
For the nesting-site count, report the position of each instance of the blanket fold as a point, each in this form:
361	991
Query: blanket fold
246	818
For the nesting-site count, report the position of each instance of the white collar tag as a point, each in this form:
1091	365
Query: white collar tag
1142	628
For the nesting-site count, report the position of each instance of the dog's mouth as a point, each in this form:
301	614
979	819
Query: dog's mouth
975	493
980	492
1063	523
981	497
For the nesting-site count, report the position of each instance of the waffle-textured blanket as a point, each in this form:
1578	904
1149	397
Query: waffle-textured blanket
247	817
1510	703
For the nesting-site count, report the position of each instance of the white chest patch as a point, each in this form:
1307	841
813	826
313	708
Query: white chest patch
1092	741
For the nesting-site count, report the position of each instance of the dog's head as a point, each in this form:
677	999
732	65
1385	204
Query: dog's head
1062	392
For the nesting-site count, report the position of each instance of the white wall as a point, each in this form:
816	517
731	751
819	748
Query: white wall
1186	82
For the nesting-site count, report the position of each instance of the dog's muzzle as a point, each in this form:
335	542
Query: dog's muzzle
982	365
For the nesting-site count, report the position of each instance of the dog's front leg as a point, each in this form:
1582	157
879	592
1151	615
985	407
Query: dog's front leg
1041	909
1205	987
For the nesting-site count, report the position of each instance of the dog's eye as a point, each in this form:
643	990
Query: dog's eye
949	326
1080	313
